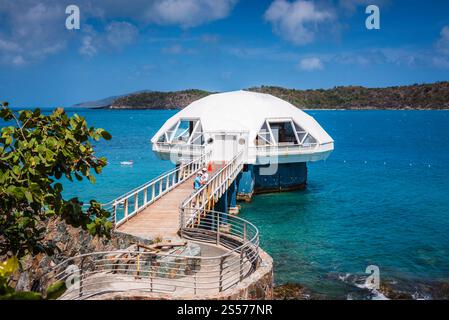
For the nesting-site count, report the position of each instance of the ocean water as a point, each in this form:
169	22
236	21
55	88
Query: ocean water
381	198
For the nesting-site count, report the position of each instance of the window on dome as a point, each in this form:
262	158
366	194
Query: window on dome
300	133
197	137
185	131
309	141
264	136
283	132
305	139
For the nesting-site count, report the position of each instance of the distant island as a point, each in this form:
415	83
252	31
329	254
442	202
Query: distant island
417	96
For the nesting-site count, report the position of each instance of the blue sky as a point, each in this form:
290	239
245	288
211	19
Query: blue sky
219	45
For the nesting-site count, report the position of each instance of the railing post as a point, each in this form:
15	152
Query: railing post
181	222
136	202
241	264
194	283
218	228
220	281
125	208
145	196
153	191
81	277
114	217
244	231
151	275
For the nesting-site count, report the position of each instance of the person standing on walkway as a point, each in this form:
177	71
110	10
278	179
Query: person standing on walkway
204	176
197	182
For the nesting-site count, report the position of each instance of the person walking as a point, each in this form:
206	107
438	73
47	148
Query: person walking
204	176
197	183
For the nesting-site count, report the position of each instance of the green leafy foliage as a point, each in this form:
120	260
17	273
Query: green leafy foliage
56	290
36	151
7	268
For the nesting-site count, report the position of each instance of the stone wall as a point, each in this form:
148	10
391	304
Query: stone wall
69	242
257	286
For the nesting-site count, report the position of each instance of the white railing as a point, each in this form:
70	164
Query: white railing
134	201
269	150
179	148
206	197
151	271
143	271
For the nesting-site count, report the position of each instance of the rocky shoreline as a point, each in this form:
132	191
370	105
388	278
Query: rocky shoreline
69	242
389	290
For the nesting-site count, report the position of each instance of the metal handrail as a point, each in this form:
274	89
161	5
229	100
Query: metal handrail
206	196
178	147
157	187
125	270
276	149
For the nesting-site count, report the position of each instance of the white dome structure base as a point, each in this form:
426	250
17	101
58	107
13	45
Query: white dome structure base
266	128
274	138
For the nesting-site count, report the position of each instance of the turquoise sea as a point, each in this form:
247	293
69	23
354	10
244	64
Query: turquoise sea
382	198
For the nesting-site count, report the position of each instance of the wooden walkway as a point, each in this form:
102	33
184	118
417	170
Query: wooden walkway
161	219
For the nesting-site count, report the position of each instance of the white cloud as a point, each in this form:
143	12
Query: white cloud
88	48
441	62
142	71
177	49
115	35
210	38
31	30
28	31
188	13
311	64
350	6
18	60
297	21
443	42
121	33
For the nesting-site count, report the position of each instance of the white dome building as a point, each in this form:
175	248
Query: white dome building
268	130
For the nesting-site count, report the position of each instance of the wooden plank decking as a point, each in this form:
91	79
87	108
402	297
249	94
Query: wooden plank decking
161	219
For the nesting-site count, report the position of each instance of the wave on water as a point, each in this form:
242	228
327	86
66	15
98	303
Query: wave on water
393	289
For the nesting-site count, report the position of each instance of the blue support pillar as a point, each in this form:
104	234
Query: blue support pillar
245	183
289	176
232	198
222	206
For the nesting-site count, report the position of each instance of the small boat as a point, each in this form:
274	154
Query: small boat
126	163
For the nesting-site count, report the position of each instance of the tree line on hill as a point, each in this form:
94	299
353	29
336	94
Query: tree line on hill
417	96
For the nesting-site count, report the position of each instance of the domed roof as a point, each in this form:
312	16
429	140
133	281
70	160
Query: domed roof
244	111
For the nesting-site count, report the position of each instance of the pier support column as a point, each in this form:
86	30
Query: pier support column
222	206
232	198
245	183
289	176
